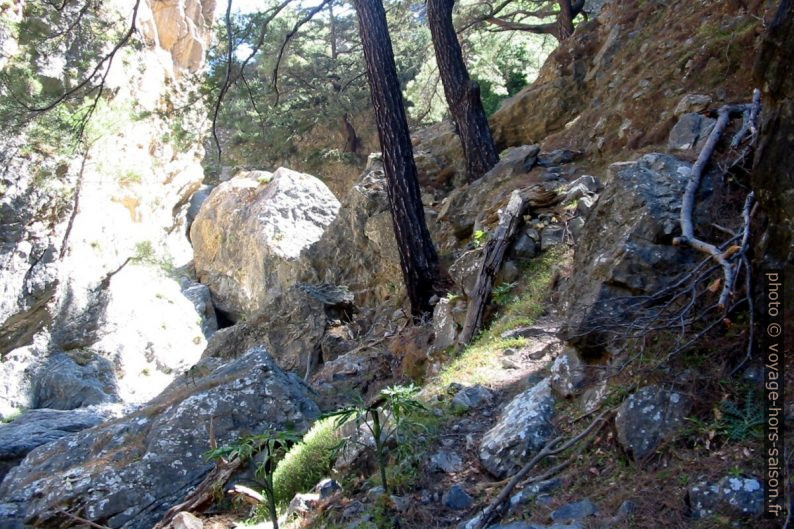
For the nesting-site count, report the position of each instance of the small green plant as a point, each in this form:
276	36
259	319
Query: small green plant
11	417
742	423
130	177
452	296
272	446
479	237
144	252
501	293
387	415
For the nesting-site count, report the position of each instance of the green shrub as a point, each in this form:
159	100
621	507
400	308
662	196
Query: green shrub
307	462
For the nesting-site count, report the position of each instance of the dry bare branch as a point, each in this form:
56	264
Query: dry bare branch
495	509
688	202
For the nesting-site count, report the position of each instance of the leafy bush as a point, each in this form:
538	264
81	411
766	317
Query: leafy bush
501	293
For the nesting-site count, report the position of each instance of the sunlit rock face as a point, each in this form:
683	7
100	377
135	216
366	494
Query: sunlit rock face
92	248
251	230
180	27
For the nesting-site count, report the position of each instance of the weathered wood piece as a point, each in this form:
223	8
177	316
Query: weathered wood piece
495	250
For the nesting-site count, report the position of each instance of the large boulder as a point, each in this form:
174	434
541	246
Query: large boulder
626	247
113	348
34	428
128	472
144	325
249	233
358	249
74	379
438	155
522	430
293	329
517	122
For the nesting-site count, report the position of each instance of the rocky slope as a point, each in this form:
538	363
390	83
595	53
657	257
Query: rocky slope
101	315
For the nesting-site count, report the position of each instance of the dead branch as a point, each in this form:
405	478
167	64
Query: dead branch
105	62
747	213
75	207
495	510
247	494
205	493
688	202
229	79
227	76
749	127
495	251
309	15
82	520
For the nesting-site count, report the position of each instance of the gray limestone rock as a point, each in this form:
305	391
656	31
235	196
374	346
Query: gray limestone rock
567	374
690	132
574	511
648	417
457	498
522	429
471	398
250	232
75	379
731	496
625	248
153	457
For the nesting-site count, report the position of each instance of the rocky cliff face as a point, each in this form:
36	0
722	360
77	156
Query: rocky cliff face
91	246
614	86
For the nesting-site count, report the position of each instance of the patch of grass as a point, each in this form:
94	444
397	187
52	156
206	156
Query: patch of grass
528	303
11	417
307	462
129	177
145	253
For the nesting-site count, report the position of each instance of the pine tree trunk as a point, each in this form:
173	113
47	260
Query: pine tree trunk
773	173
462	93
418	256
565	20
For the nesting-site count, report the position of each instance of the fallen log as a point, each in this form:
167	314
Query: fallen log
495	250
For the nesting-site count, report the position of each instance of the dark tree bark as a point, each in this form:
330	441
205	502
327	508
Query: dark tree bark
560	29
462	93
568	12
418	256
352	141
773	171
